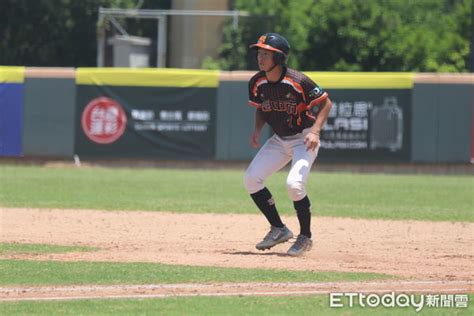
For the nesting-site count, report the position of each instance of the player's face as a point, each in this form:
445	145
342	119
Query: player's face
265	59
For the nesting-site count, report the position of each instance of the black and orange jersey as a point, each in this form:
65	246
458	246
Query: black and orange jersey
288	105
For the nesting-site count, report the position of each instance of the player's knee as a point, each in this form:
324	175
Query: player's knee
296	189
252	183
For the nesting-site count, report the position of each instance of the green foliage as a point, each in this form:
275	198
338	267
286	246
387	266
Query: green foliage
288	18
53	32
358	35
336	35
210	63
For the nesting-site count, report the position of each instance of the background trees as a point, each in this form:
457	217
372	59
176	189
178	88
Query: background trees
358	35
325	35
55	32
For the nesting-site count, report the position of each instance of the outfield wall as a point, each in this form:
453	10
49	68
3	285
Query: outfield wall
201	114
11	110
443	122
49	112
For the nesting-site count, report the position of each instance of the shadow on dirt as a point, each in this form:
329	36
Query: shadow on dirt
254	253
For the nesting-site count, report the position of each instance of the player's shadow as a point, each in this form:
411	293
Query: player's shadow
253	253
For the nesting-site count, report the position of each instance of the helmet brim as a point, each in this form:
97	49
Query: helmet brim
267	47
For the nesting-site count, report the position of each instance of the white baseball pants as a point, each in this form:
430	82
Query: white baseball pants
274	155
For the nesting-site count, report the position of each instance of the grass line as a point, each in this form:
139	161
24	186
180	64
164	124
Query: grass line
17	248
26	272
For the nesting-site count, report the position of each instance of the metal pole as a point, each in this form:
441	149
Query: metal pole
158	62
235	21
100	40
152	14
118	26
161	42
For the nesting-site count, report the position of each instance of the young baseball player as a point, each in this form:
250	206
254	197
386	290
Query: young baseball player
296	109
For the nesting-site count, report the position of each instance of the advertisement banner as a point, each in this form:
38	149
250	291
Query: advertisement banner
148	113
11	110
368	125
370	119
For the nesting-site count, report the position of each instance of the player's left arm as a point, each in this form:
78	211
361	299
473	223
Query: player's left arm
312	137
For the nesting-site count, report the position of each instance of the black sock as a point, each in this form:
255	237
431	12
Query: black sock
265	203
303	211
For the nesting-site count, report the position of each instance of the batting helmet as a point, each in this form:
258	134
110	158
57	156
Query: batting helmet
274	42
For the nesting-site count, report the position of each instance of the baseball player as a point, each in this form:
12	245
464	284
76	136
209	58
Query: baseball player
296	109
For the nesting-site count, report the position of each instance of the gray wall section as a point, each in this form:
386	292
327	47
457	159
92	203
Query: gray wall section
49	112
235	122
441	124
424	123
454	122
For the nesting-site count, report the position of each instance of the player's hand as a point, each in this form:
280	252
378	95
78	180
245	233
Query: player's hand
311	140
254	139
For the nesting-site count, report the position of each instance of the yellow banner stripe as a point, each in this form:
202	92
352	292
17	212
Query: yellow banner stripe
148	77
362	80
12	74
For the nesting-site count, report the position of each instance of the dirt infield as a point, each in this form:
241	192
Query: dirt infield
414	250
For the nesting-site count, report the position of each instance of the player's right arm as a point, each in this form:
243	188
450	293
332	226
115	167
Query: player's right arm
259	123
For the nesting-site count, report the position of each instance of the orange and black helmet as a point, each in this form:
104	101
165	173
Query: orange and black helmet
274	42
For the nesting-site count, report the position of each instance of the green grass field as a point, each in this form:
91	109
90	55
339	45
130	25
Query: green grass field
299	305
418	197
24	272
373	196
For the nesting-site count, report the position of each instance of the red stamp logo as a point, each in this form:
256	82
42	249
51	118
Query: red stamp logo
103	120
